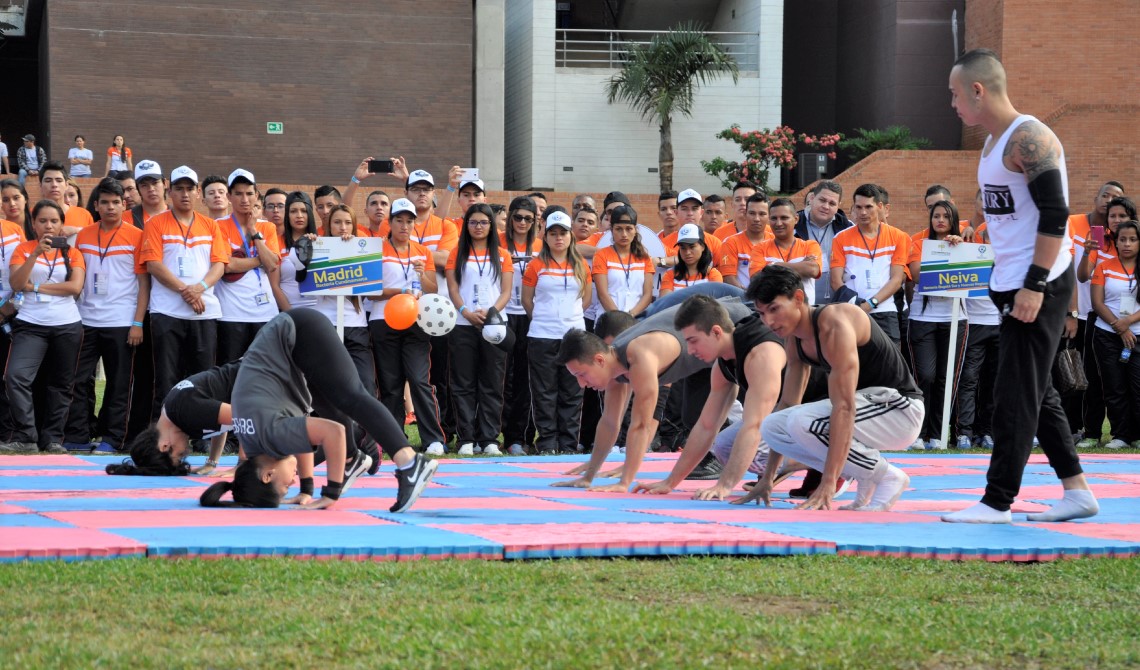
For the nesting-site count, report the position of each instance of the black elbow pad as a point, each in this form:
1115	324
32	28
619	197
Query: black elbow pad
1048	194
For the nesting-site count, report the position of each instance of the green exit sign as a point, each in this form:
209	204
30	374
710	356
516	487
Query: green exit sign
275	128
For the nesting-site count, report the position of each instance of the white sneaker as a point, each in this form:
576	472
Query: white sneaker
935	445
888	490
1116	444
617	450
581	448
492	449
918	445
516	449
435	449
466	449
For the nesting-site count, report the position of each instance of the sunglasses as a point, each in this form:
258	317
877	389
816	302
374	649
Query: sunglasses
522	219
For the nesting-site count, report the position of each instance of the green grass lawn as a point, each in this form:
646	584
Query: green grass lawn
802	612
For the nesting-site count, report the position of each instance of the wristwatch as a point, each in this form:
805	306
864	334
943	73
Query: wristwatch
1075	314
257	236
874	303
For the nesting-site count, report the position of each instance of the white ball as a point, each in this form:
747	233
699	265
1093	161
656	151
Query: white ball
437	315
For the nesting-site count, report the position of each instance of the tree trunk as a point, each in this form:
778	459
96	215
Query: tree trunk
665	155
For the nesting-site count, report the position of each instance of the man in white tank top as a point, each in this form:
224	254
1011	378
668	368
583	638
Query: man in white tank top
1025	193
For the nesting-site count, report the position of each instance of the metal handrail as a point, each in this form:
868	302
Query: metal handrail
612	50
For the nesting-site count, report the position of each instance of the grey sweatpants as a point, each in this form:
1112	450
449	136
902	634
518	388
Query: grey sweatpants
885	420
722	448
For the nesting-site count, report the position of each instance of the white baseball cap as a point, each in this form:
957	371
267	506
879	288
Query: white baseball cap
183	172
147	169
558	219
240	174
420	175
402	205
690	232
689	194
478	183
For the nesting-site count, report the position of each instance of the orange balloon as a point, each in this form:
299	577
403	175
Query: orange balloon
401	311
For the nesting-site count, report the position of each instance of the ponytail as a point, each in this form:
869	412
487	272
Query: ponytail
247	488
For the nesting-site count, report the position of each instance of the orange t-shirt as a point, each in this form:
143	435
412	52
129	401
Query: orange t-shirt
728	230
736	251
228	229
77	217
670	283
769	251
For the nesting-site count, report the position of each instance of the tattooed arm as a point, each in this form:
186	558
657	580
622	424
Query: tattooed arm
1035	151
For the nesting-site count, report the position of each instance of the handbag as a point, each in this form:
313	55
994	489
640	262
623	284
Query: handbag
1071	370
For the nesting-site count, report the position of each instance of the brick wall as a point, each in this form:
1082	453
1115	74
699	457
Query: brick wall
1069	65
196	81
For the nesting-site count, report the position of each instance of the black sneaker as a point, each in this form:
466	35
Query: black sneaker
708	468
368	446
412	481
811	482
357	467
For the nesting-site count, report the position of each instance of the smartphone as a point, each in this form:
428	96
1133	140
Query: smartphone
1097	233
469	174
58	241
380	167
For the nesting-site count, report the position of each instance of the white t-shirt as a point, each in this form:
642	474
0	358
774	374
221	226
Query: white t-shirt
289	285
33	158
80	170
40	308
479	288
1012	216
557	300
110	285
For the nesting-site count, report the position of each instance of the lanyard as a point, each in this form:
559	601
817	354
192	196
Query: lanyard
625	266
776	244
249	252
1131	275
406	267
826	229
186	236
483	264
565	277
51	266
867	246
420	236
104	250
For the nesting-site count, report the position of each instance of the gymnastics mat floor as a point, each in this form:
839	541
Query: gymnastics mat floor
67	508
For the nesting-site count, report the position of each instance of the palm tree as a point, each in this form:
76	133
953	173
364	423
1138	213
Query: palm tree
659	79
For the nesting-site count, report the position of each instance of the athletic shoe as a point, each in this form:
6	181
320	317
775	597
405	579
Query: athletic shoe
1116	444
79	447
357	467
492	449
411	482
964	442
888	490
105	448
987	442
368	446
1088	443
1136	444
57	448
435	449
409	418
477	449
708	468
465	449
615	450
935	445
581	448
808	485
1036	442
19	448
918	445
516	449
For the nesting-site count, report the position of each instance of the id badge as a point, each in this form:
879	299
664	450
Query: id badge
3	280
100	284
261	299
873	281
475	297
516	296
42	297
1127	305
186	267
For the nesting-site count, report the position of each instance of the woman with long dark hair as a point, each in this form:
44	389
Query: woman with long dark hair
522	243
1114	299
929	332
47	331
694	262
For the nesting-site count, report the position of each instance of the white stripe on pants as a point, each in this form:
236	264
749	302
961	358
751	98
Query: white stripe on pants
722	448
883	418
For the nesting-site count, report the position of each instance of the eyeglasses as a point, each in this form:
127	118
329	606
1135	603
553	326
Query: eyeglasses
522	219
478	222
274	208
420	190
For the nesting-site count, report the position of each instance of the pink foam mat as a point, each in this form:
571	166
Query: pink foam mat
1053	491
904	505
61	460
1129	532
52	472
66	543
13	509
215	517
652	536
164	493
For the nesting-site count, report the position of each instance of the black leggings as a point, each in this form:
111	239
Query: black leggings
334	383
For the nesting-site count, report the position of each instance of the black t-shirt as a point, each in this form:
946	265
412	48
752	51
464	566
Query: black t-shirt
748	334
194	402
880	362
